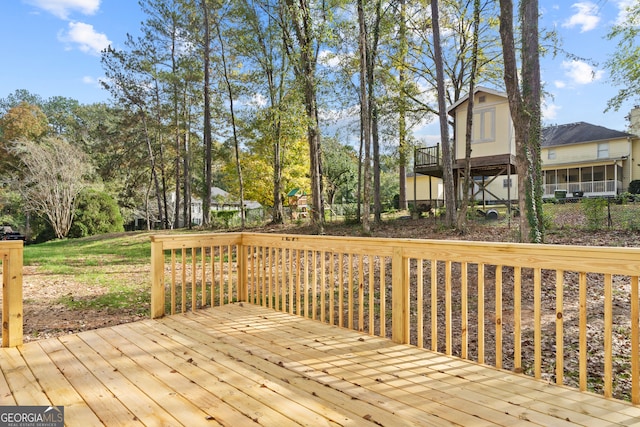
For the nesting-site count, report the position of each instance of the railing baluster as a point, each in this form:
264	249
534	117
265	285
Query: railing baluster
517	319
183	285
582	284
194	281
323	286
498	321
434	305
464	310
559	327
480	332
608	335
383	297
173	281
314	287
371	313
537	315
341	291
350	292
420	302
331	289
635	342
448	315
361	293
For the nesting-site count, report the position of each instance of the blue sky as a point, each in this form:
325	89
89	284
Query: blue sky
51	47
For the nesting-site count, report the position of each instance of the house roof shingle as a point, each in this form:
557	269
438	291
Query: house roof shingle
574	133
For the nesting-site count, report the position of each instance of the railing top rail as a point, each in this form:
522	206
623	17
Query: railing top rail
180	241
590	259
7	245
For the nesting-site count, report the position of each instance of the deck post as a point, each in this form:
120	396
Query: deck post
400	297
157	279
12	316
242	271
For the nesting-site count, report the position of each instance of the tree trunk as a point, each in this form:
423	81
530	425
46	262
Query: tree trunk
467	189
525	114
364	118
206	196
402	108
447	158
234	128
300	14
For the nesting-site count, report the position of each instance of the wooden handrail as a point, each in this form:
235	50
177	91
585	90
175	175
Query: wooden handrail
12	311
497	303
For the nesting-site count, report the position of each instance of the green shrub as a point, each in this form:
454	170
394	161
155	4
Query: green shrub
594	210
634	186
96	213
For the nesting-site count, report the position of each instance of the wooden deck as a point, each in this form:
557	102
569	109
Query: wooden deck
243	365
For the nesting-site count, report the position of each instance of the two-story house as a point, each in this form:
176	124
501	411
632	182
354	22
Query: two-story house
580	158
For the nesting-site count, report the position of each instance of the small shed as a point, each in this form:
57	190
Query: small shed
297	203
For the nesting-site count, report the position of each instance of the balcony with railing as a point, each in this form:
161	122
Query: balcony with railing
609	188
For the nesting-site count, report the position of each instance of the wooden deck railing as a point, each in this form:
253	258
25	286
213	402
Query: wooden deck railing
11	252
566	314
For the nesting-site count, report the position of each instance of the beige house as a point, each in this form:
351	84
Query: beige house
580	159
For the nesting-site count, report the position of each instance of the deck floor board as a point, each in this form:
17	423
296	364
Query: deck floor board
246	365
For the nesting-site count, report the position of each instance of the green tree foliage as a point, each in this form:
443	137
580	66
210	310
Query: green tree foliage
624	63
96	213
341	171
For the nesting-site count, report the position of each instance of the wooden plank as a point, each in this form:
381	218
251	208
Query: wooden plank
98	397
20	379
280	401
172	392
231	405
57	387
141	405
372	379
372	413
6	397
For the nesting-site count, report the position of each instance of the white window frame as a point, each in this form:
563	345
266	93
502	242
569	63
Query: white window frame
484	125
551	154
603	150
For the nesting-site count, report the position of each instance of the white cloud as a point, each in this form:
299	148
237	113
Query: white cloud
586	17
85	37
581	73
62	8
559	84
550	111
328	58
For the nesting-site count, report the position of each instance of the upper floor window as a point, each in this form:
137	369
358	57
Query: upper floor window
603	150
506	183
484	125
551	154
